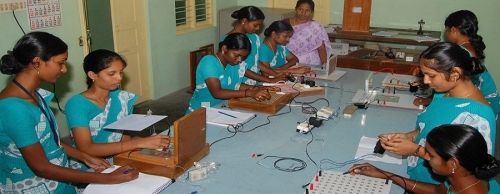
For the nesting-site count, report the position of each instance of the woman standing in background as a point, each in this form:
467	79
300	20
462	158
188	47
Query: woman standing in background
310	42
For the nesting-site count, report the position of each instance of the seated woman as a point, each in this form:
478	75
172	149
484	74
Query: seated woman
275	59
102	104
310	42
249	20
447	69
461	28
458	153
32	157
214	84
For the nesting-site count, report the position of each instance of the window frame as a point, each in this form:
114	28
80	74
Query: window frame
191	23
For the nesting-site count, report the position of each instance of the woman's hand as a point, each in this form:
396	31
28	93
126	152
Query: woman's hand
259	94
368	170
401	146
300	70
123	174
98	164
389	136
153	142
272	88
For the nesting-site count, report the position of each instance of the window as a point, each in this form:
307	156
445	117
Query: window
192	15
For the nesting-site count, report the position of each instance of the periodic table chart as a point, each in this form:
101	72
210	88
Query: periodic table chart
44	13
333	182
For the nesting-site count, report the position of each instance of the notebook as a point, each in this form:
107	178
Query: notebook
328	72
144	184
223	117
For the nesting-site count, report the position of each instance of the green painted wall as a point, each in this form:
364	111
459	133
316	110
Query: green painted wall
406	13
169	52
71	82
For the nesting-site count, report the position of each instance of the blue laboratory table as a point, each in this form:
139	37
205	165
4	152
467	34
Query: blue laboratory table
337	140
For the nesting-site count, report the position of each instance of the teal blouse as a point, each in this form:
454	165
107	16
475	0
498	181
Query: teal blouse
81	112
448	110
211	67
22	124
275	59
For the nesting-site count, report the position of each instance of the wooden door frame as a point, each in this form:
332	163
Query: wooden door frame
86	47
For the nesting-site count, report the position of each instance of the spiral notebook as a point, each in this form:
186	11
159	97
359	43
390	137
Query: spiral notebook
144	184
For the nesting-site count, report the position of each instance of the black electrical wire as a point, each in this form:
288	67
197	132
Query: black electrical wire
307	152
15	18
57	99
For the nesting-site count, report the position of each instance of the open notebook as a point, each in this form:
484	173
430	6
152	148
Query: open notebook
145	183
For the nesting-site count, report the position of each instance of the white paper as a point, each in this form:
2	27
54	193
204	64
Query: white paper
135	122
366	145
145	183
221	117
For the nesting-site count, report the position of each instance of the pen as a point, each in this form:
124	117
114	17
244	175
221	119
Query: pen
346	172
227	114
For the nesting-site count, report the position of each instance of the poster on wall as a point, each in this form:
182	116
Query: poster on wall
44	14
9	5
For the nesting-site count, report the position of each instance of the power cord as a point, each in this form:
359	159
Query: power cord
17	21
292	168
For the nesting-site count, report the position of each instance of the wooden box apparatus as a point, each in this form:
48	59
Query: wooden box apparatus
301	90
189	146
271	106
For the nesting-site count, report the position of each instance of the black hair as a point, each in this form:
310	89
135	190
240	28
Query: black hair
99	60
236	41
31	45
467	145
449	55
466	22
278	27
309	2
250	13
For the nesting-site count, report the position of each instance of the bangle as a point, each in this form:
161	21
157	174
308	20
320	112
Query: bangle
414	185
417	150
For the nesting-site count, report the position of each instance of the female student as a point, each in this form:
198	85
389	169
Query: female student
310	41
249	20
447	68
214	84
461	28
458	153
102	104
274	57
32	158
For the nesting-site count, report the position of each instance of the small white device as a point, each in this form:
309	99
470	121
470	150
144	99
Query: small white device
304	127
325	113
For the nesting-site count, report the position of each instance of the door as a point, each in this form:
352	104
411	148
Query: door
98	24
321	9
130	41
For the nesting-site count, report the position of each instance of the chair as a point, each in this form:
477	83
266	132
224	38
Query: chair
194	58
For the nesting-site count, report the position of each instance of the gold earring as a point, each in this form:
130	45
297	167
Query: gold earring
453	170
